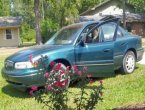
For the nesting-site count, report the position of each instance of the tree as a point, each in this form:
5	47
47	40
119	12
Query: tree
139	5
5	7
86	4
63	12
37	22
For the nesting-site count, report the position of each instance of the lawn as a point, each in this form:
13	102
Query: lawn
121	90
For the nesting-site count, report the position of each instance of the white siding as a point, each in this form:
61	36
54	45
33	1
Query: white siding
9	42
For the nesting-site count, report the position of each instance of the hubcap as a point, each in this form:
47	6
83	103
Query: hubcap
59	77
130	63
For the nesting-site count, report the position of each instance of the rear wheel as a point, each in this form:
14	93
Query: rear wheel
128	65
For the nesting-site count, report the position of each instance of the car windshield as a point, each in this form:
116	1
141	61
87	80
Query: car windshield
65	36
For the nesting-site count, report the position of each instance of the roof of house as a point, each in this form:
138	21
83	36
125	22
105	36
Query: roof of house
135	17
130	17
102	4
10	21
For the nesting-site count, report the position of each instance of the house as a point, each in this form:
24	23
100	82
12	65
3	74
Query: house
135	23
9	31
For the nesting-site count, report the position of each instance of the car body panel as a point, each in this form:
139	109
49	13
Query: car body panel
97	57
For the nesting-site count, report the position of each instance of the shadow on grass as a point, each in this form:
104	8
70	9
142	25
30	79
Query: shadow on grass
13	92
117	72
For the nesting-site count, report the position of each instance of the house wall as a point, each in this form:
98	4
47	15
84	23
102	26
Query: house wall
9	42
109	8
138	28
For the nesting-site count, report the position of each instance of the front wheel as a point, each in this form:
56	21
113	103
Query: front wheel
59	79
129	63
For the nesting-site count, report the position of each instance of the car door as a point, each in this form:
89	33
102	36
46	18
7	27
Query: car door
98	56
120	46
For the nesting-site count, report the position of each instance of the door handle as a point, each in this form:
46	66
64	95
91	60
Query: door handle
107	50
123	43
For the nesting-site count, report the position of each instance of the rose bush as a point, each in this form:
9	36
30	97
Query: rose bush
56	94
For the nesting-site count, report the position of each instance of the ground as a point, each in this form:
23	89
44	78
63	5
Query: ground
120	91
132	107
9	50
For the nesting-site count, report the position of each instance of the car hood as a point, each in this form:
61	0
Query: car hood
24	55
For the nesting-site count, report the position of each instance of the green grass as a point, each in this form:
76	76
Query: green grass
121	90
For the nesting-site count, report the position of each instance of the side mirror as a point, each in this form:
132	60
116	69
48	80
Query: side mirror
82	43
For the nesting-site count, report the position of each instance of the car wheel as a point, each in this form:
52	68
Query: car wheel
59	76
129	63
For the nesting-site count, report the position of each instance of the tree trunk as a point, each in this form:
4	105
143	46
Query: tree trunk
37	22
124	14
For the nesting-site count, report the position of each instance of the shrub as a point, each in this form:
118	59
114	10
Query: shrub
56	95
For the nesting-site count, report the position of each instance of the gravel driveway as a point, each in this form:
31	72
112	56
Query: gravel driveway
9	50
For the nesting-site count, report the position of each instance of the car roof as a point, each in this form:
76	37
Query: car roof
85	23
82	24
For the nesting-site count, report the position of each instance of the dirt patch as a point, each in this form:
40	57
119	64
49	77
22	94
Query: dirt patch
132	107
10	50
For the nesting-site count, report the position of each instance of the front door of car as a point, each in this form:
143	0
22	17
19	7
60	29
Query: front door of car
97	55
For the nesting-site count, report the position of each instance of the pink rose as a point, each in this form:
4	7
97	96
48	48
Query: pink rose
57	67
31	92
101	82
30	58
49	87
46	75
85	69
89	75
52	63
79	73
34	88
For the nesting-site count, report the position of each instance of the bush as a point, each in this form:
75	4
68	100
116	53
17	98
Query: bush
56	95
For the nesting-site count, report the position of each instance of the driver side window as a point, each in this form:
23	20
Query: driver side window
108	31
92	37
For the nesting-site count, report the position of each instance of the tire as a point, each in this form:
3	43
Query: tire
129	62
62	76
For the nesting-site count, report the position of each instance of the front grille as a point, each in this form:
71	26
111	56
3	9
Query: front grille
9	65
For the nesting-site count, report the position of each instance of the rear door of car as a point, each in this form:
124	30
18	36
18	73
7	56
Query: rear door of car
120	46
98	56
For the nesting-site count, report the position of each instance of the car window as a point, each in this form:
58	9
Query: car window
66	35
93	36
108	31
123	30
119	33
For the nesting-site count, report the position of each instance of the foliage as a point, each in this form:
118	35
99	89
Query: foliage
24	8
27	34
63	12
87	4
48	28
56	94
139	5
5	8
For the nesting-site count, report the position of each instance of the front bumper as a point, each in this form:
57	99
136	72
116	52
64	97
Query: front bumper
140	53
24	81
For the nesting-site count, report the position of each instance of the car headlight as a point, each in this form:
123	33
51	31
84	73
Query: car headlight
23	65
